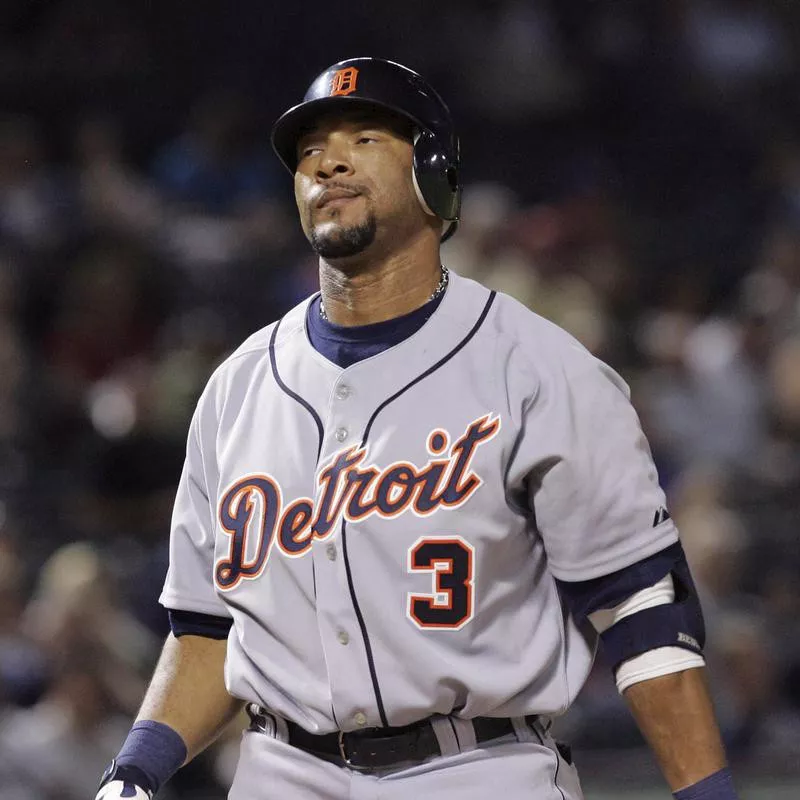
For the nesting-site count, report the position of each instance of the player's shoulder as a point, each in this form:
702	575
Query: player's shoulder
516	321
513	320
532	334
274	335
255	349
529	341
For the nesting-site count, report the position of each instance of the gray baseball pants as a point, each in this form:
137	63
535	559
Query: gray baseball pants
525	766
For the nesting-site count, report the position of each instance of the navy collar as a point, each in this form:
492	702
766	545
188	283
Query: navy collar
345	345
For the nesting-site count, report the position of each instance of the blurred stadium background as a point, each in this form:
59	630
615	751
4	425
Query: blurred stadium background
632	172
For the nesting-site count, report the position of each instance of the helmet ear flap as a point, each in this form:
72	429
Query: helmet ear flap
420	196
436	176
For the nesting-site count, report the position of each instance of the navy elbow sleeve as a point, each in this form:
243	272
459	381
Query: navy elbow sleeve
607	591
676	624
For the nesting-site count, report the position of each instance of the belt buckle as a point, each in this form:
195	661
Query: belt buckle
343	753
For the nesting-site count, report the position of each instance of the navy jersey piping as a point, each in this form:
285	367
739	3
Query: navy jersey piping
274	364
367	645
364	635
308	407
432	369
303	402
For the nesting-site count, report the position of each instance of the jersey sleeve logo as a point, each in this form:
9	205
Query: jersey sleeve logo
252	514
344	81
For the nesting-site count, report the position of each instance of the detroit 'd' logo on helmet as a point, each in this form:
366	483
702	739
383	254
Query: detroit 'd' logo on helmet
344	81
252	512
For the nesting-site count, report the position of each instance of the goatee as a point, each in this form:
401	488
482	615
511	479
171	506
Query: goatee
340	242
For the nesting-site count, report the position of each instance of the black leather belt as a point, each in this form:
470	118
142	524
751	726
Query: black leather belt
378	748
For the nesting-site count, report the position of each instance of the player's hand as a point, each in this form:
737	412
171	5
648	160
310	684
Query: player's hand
122	790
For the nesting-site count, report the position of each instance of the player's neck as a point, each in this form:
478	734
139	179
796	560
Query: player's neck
379	289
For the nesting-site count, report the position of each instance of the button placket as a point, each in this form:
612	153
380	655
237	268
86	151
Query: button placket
345	653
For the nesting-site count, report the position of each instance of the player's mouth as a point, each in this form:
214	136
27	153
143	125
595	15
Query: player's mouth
336	197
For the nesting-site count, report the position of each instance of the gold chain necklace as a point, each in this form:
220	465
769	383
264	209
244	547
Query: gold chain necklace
440	287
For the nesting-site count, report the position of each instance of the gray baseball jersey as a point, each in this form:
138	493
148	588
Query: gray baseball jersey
385	537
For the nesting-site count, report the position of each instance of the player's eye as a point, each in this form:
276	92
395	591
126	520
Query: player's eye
365	138
310	151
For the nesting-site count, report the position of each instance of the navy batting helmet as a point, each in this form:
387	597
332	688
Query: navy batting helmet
378	83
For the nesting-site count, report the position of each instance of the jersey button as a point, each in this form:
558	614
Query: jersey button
330	551
343	637
341	434
360	718
342	392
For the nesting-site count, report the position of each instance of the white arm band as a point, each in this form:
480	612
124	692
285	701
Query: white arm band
653	663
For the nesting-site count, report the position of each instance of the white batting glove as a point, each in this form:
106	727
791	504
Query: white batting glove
122	790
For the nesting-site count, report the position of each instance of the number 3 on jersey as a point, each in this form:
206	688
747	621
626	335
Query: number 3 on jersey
450	562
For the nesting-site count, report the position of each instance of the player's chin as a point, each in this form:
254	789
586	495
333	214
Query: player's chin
334	239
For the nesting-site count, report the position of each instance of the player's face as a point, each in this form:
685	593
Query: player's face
353	182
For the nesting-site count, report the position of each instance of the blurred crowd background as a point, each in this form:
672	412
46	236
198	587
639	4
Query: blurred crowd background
632	172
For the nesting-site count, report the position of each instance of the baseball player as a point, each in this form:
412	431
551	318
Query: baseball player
409	510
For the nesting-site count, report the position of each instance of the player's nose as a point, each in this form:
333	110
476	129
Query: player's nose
334	160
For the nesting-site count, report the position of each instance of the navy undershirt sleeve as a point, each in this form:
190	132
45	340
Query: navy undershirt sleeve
347	345
195	624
